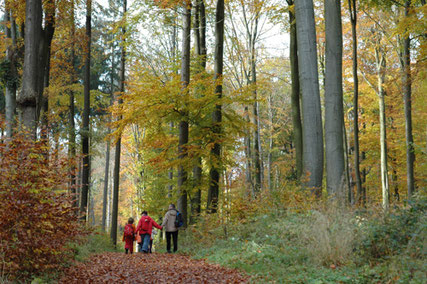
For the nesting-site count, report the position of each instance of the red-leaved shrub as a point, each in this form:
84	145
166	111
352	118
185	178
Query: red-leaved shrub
37	219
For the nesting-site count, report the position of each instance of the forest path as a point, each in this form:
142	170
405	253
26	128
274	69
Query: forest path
149	268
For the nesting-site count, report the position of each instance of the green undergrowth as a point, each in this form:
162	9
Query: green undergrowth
96	242
330	246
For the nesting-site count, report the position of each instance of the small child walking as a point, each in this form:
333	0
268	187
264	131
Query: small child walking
129	236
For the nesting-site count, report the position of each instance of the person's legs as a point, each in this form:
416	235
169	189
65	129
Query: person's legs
140	244
145	242
151	246
126	251
168	241
175	241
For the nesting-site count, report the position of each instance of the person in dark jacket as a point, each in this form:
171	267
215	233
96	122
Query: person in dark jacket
171	230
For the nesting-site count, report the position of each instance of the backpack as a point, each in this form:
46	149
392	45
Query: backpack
178	220
128	230
145	224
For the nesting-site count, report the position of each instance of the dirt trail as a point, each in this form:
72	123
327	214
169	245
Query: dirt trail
149	268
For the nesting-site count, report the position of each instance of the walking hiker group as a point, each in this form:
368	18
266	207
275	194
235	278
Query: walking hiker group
144	231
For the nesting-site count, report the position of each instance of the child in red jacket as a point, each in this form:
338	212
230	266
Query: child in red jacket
144	228
129	236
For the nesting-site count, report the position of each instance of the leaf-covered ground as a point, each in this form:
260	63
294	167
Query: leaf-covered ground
149	268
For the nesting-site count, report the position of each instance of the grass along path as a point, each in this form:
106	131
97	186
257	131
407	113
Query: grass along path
149	268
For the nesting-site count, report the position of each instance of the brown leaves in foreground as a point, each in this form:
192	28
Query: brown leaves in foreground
149	268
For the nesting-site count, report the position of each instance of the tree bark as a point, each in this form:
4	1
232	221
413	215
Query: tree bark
86	109
28	97
71	126
334	113
44	65
200	40
295	95
309	79
183	124
10	96
353	20
253	82
407	92
248	152
107	155
215	162
116	173
381	65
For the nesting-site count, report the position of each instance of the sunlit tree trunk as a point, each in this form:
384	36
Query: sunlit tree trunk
381	65
86	109
215	162
334	113
116	173
183	124
309	80
108	146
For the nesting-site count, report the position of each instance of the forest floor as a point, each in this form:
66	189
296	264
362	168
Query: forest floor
116	267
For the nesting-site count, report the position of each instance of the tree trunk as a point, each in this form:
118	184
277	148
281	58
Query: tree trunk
309	79
183	124
116	173
215	162
248	153
200	40
107	155
256	156
270	143
105	195
197	192
86	110
28	97
353	20
71	126
334	113
295	95
407	92
10	107
44	65
381	65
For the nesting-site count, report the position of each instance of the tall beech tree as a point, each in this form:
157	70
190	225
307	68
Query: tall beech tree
116	173
407	93
295	95
334	114
71	122
215	169
28	97
309	79
360	193
200	48
85	133
183	124
11	84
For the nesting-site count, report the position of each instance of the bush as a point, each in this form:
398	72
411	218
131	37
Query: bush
393	233
37	219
